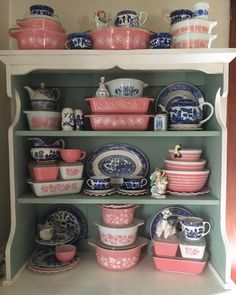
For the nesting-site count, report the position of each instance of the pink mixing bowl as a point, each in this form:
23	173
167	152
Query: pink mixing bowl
184	165
113	259
186	181
120	38
190	155
34	38
118	216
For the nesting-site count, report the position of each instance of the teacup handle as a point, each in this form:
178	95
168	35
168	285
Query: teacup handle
209	228
89	183
167	18
56	92
143	182
66	44
142	15
82	155
211	113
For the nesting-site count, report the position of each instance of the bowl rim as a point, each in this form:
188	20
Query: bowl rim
200	162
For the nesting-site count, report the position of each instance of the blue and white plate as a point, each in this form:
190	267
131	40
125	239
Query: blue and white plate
117	161
176	91
66	219
176	214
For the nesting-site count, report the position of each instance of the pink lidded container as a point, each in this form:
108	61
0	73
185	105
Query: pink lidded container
192	249
71	170
121	258
43	172
119	105
118	216
165	247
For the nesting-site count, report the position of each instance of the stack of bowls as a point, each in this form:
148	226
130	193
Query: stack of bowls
186	173
191	30
40	30
118	237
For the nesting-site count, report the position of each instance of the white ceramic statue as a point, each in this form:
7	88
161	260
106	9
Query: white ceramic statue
102	89
158	184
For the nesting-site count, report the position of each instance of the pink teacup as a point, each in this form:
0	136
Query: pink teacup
72	155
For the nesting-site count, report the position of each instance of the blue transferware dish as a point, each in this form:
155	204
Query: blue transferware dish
126	87
130	18
44	105
178	15
161	40
99	183
44	154
78	41
39	9
38	142
184	111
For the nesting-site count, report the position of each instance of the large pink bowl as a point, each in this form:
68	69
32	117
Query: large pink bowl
34	38
186	181
119	105
120	38
114	259
118	216
40	23
184	165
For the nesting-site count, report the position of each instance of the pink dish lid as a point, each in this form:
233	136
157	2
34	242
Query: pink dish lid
71	164
38	165
136	222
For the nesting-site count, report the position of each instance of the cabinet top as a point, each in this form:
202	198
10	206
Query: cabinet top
206	60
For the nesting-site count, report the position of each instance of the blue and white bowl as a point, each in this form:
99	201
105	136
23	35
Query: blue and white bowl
39	9
179	15
43	154
78	41
161	40
44	105
126	87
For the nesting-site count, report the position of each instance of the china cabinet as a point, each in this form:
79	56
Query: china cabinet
77	75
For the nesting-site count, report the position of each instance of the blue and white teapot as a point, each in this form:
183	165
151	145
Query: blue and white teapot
186	111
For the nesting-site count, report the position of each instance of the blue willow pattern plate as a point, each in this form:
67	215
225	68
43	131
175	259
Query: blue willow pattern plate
68	220
117	161
44	261
176	214
177	91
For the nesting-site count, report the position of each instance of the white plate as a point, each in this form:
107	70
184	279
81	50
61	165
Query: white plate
117	161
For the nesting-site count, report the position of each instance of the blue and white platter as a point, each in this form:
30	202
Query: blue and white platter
117	161
176	91
175	214
44	261
66	219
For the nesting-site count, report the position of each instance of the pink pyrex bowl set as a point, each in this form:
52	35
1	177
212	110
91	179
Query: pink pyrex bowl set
188	29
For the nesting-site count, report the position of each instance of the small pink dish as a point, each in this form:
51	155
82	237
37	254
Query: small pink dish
119	121
118	216
184	165
43	172
120	38
119	105
190	155
118	259
180	264
165	247
65	253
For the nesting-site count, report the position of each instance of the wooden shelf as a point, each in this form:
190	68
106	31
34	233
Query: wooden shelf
30	198
35	133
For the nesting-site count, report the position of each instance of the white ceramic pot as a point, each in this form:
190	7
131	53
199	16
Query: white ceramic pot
119	236
43	120
71	170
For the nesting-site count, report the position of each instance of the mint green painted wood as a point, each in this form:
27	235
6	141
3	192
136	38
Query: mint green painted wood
30	198
118	133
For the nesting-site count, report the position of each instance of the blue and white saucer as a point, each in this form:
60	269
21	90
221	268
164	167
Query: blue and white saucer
104	192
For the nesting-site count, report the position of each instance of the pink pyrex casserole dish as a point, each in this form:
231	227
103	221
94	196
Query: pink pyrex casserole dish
40	23
119	121
120	38
119	105
118	259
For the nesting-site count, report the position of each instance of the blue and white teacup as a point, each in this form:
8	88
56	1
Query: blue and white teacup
200	10
99	182
134	183
39	9
78	41
161	40
194	228
178	15
130	18
186	111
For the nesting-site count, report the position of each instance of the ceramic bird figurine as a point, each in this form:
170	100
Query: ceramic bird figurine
176	151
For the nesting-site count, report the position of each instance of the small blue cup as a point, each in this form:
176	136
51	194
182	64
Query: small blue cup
179	15
78	41
39	9
99	182
161	40
134	183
